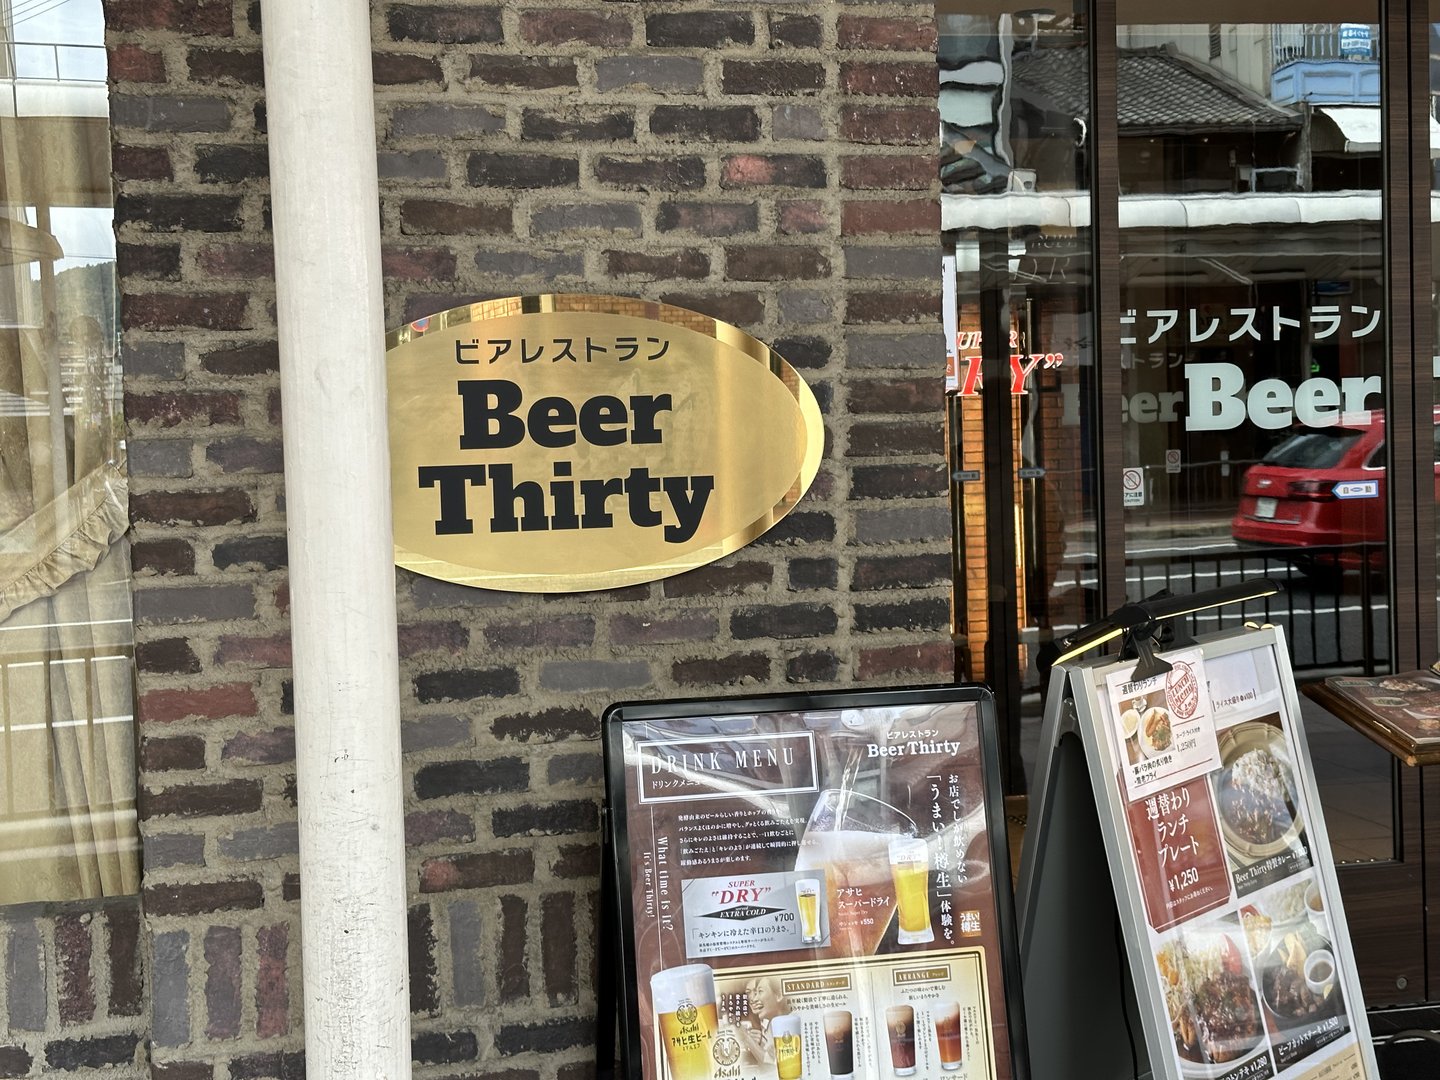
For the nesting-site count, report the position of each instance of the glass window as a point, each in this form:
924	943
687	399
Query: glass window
67	761
1254	343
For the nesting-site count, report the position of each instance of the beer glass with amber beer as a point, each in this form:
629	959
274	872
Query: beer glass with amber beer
789	1056
910	870
848	836
840	1044
807	899
684	1002
947	1034
900	1026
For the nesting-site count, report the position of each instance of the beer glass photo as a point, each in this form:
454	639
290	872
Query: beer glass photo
848	836
684	1003
807	899
910	871
789	1054
947	1034
840	1044
900	1026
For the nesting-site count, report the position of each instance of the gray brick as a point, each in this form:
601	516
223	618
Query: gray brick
451	121
574	769
587	217
170	112
435	732
895	350
194	603
682	74
530	264
172	849
411	165
798	122
467	961
581	675
912	262
170	990
434	593
25	976
153	359
270	842
160	457
916	524
799	306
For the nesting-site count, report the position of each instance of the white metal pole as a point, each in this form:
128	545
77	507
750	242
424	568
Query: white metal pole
325	194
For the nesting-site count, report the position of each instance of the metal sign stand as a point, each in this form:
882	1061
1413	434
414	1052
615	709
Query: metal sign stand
1088	957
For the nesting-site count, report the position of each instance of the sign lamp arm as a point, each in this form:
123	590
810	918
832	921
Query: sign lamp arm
1139	622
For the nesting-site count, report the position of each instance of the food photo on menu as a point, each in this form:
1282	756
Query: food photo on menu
1255	798
813	896
1244	951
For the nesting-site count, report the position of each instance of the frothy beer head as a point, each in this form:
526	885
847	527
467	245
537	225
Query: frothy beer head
785	1026
693	984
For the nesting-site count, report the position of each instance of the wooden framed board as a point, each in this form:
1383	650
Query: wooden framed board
812	887
1179	913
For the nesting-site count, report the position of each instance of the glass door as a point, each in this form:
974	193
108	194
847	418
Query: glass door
1179	265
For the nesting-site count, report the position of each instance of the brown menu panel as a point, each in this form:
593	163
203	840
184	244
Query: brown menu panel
814	892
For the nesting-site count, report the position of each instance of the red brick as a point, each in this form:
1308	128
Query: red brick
891	80
803	218
190	17
271	652
175	311
418	264
141	163
890	126
237	260
901	35
432	637
897	395
272	982
73	947
937	658
889	172
172	409
131	63
201	898
892	307
477	870
890	216
209	703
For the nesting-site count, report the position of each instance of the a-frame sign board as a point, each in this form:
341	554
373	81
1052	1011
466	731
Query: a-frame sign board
1179	913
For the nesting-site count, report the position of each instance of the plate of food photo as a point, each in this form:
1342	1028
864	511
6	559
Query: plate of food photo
1255	791
1157	735
1298	979
1214	1011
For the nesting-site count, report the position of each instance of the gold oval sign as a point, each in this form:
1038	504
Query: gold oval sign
566	442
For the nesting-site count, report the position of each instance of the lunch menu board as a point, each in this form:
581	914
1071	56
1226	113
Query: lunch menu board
813	888
1239	952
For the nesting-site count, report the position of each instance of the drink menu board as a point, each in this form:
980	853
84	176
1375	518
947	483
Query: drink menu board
813	888
1240	946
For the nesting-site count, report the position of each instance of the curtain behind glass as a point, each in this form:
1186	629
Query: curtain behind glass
67	789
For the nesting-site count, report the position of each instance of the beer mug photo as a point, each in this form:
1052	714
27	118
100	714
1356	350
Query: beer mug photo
840	1044
900	1026
789	1051
807	900
848	836
947	1034
910	870
684	1003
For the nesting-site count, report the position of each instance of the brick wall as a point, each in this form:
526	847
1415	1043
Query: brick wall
770	164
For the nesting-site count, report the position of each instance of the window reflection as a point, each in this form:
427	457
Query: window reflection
67	771
1254	348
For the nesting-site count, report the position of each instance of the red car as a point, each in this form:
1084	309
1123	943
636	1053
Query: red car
1318	498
